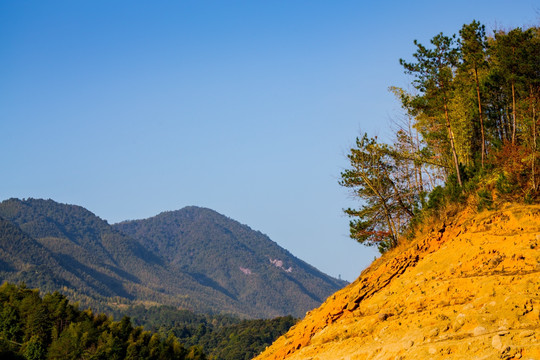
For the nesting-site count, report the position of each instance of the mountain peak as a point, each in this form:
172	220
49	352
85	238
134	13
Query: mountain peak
192	258
234	259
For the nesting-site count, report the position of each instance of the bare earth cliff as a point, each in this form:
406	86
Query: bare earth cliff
468	288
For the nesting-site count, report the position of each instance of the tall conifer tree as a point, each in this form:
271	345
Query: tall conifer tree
473	53
434	74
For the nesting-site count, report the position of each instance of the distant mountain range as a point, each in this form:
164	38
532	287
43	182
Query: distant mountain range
193	258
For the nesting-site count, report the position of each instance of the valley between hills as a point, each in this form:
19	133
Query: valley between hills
193	259
449	193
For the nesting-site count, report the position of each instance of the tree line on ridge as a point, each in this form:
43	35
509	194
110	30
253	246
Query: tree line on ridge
469	132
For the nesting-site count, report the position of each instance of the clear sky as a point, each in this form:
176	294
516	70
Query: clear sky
131	108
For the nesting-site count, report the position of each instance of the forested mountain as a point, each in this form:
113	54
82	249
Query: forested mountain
49	327
55	246
243	264
22	255
85	258
35	327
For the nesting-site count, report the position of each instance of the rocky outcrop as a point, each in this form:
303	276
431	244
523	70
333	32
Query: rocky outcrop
468	288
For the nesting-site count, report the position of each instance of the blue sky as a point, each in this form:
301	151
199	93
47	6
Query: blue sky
131	108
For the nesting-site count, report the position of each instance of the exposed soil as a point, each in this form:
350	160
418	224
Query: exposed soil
468	288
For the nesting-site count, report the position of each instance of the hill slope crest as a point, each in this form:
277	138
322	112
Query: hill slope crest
193	258
467	288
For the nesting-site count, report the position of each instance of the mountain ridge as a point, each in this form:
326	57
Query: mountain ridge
193	258
258	258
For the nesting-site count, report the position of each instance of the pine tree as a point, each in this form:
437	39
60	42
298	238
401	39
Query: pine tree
386	207
434	74
473	43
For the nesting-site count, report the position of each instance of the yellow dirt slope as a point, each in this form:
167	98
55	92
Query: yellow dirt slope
466	289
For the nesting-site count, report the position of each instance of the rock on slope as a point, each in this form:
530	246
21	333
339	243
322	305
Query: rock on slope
466	289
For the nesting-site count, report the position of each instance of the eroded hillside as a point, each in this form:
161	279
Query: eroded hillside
468	288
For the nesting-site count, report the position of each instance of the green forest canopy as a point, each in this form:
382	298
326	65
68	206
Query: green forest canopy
49	327
35	327
470	128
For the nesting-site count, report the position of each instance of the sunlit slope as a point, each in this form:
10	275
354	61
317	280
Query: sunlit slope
243	264
468	288
193	258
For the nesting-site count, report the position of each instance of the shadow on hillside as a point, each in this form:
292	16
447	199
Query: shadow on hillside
92	278
208	282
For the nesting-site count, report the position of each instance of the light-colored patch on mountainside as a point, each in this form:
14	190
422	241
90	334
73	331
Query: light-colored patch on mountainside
468	288
279	264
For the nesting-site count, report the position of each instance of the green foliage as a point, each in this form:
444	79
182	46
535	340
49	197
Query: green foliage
248	338
221	337
73	251
433	74
436	198
34	349
191	258
372	177
51	328
452	189
213	249
485	200
472	131
503	185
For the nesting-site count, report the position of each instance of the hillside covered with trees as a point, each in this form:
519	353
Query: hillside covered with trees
49	327
35	327
469	133
193	259
220	336
242	263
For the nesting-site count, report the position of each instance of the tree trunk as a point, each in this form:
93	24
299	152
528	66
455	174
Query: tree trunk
451	136
415	149
533	101
480	113
418	167
513	113
500	125
387	215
